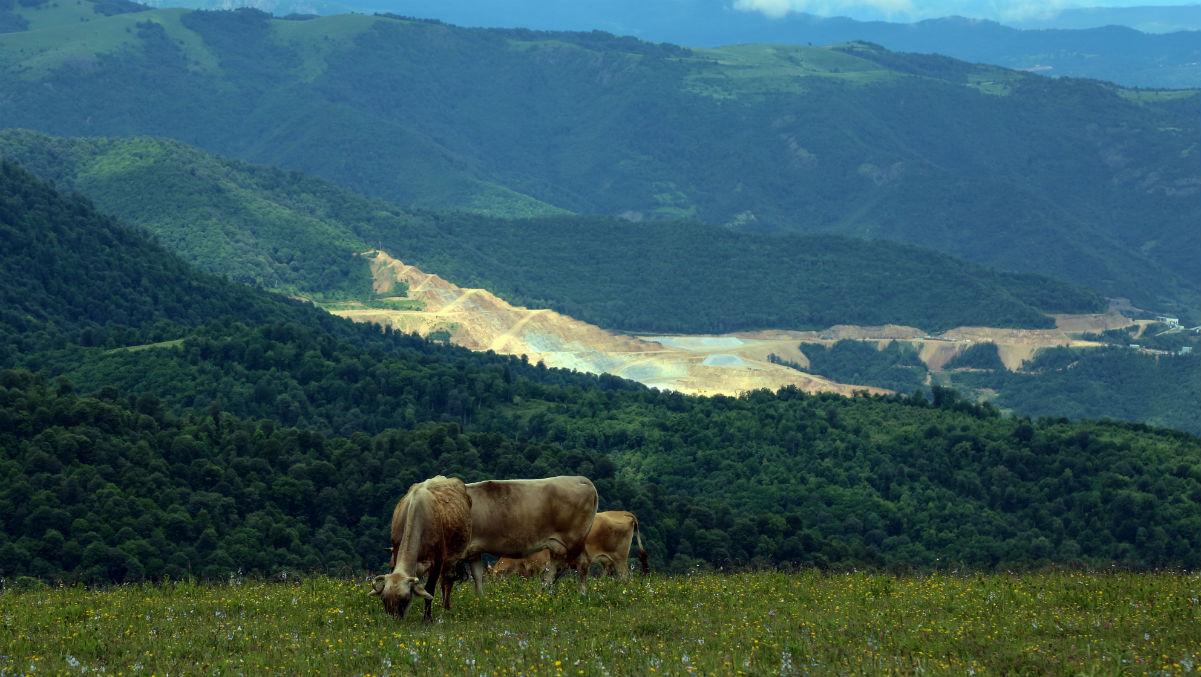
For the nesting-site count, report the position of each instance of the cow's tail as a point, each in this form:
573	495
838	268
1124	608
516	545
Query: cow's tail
642	558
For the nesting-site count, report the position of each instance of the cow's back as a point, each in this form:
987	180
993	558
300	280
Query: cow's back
516	518
611	533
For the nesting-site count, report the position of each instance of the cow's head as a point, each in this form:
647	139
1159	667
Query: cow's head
397	590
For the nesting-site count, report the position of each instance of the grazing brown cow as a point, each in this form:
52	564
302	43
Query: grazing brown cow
608	544
517	518
431	527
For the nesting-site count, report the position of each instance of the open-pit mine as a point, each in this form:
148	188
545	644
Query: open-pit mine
726	364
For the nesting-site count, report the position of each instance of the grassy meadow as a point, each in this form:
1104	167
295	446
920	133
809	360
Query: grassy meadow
762	623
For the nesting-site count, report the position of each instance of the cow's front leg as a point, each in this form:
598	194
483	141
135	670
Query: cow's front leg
430	585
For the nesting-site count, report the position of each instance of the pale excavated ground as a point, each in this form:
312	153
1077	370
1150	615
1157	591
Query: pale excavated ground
698	364
1014	346
479	320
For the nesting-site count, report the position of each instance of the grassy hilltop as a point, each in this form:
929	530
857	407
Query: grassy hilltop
765	623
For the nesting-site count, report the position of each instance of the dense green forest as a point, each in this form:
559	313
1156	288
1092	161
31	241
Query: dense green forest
294	234
1155	336
1116	383
269	228
1076	179
688	277
119	487
275	437
977	356
896	366
69	275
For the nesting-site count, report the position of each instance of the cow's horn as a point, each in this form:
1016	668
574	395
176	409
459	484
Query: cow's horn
377	586
422	592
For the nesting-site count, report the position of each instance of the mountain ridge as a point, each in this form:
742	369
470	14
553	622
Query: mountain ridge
1090	48
301	236
1074	179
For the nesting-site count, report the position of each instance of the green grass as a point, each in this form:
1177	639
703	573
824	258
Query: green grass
315	40
55	40
1152	95
386	303
766	623
58	13
492	199
756	69
173	343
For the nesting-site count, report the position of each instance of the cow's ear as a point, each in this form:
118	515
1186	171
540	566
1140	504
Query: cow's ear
377	586
420	590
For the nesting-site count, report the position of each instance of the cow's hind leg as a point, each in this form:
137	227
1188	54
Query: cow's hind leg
477	574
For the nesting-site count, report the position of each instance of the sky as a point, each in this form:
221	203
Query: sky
909	10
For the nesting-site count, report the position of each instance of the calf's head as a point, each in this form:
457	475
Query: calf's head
396	591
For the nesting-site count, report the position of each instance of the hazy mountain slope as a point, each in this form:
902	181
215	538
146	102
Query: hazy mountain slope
271	227
222	216
71	275
1073	179
1099	50
1150	18
291	233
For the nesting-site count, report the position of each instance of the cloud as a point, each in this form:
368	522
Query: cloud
779	8
1002	10
1032	9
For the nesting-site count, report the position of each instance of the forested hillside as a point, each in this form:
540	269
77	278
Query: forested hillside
276	437
1079	180
121	487
69	275
1108	383
295	234
1114	383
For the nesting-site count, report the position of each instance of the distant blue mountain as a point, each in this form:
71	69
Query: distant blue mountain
1117	54
1150	19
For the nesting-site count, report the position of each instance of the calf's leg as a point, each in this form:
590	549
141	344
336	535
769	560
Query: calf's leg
448	584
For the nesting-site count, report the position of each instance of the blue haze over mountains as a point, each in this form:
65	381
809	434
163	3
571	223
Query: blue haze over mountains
1132	46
